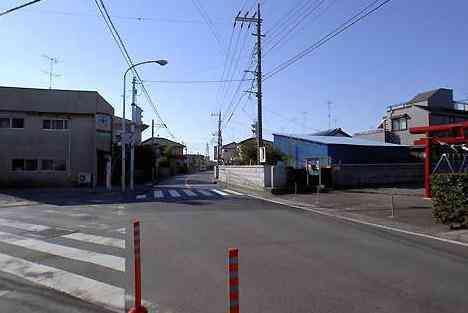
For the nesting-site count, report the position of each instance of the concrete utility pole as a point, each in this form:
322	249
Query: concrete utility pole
152	151
220	141
132	141
256	18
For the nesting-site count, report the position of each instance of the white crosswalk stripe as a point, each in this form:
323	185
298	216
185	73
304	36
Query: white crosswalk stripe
158	194
205	193
87	289
174	193
219	192
99	240
106	260
189	193
22	226
233	192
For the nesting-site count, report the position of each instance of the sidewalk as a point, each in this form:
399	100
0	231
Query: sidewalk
412	213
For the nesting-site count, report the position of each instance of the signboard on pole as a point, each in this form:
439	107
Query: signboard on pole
262	152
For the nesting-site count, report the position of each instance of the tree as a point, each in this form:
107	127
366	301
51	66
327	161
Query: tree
248	153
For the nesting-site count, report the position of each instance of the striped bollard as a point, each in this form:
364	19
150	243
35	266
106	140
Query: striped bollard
138	308
233	266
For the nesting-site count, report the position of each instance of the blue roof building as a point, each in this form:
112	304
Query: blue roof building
340	150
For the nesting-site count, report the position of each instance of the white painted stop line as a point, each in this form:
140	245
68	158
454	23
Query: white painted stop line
174	193
106	260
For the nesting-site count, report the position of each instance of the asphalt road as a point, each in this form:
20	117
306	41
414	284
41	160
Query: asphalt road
290	260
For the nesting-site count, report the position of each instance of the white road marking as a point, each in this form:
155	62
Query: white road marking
204	192
174	193
67	213
76	285
362	222
22	226
4	292
158	194
106	260
99	240
140	197
122	230
190	193
233	192
219	192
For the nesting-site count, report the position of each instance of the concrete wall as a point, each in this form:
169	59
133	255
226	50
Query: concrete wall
356	175
76	146
257	177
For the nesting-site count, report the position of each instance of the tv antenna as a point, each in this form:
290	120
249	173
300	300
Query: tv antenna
50	72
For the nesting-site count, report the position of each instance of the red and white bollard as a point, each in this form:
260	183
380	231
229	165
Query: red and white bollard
138	308
233	267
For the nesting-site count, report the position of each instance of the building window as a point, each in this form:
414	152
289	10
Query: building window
17	123
60	165
55	124
47	165
400	124
17	164
30	165
4	122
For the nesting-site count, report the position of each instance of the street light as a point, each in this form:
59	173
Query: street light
160	62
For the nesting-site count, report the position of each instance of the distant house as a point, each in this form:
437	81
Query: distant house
232	152
338	132
338	149
117	129
229	153
162	144
435	107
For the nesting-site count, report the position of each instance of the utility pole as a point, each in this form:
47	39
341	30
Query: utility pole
256	19
152	151
50	72
220	142
132	141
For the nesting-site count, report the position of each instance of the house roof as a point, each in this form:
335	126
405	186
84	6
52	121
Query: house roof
230	145
331	132
334	140
162	141
423	96
254	139
53	101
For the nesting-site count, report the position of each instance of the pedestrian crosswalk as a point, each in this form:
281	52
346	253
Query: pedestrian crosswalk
84	265
174	194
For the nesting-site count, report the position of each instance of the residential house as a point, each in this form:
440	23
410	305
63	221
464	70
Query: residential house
54	137
338	132
129	125
243	146
229	153
161	146
435	107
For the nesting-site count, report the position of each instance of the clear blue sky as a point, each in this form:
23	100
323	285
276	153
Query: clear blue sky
405	48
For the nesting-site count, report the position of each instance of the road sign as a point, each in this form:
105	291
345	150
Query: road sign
262	152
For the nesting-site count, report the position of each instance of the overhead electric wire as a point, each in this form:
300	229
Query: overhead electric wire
285	19
289	31
201	10
340	29
195	81
18	7
117	38
226	60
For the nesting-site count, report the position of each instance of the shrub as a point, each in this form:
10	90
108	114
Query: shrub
450	199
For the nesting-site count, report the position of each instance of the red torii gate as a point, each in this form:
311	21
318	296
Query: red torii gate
458	136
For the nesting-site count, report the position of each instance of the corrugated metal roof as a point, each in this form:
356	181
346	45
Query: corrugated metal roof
333	140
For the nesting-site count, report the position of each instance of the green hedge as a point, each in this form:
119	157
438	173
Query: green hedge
450	199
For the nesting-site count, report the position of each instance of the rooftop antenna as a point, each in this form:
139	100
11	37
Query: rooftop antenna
50	72
329	103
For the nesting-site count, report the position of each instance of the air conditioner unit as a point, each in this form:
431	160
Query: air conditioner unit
84	178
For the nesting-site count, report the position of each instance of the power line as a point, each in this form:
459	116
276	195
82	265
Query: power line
340	29
118	39
289	31
209	22
19	7
195	81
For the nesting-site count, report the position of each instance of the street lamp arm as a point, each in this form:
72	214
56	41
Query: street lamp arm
160	62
